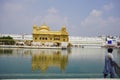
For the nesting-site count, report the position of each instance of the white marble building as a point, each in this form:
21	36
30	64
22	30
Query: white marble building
75	41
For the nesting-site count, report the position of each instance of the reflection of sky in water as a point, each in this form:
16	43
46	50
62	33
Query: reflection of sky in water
86	61
78	62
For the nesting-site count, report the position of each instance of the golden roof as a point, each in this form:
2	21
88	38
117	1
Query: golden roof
44	28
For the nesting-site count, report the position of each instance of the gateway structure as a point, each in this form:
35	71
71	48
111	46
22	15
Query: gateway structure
44	35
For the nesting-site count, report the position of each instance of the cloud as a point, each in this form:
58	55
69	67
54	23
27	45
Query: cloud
12	7
93	19
98	20
14	18
108	6
95	23
52	10
53	18
95	13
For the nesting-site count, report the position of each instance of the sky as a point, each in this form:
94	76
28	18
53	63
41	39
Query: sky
81	17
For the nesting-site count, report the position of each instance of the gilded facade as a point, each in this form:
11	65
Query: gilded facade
44	34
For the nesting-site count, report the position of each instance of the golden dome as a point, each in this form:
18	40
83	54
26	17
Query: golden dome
34	26
63	28
44	28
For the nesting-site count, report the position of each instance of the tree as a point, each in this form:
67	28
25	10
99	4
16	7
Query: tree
7	40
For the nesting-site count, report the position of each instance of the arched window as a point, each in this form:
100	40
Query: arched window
35	38
63	39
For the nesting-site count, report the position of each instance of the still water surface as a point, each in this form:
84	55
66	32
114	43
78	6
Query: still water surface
54	63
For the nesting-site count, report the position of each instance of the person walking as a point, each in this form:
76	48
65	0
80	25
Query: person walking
109	68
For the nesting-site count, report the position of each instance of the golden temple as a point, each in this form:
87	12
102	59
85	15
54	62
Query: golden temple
44	34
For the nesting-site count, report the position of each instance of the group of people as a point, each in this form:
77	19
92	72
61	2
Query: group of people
111	66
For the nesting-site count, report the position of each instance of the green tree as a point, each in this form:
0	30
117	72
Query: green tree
7	40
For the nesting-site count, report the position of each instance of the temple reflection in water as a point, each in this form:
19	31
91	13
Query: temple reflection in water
55	63
45	59
41	59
